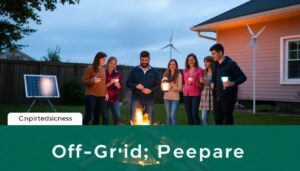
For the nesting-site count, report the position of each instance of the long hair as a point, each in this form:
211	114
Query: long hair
97	58
172	78
210	60
187	67
112	58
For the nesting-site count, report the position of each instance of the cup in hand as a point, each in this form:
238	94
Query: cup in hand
97	79
191	80
224	79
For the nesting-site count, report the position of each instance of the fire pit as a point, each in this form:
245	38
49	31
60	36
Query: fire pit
141	118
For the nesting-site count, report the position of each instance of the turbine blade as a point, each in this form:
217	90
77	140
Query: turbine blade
250	30
260	32
164	47
251	43
171	38
176	49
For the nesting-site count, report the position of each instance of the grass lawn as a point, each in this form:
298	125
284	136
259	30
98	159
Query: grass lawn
240	118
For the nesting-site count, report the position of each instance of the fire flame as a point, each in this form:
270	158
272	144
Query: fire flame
140	118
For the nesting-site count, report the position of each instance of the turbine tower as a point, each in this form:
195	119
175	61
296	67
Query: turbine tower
171	46
253	44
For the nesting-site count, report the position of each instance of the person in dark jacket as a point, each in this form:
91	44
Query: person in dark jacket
144	81
226	78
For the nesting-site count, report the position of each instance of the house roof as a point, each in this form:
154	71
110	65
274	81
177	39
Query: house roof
251	7
16	55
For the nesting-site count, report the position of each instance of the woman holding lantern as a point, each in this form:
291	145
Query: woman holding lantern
193	76
114	86
172	86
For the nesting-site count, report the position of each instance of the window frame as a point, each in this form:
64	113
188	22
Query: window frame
284	54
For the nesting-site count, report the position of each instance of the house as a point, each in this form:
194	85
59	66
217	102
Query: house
16	55
278	57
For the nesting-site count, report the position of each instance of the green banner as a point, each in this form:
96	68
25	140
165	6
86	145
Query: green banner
150	148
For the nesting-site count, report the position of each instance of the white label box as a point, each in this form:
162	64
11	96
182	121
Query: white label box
44	119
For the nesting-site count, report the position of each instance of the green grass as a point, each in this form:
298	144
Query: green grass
240	118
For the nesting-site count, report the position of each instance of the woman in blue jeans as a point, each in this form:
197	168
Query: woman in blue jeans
172	85
114	86
192	76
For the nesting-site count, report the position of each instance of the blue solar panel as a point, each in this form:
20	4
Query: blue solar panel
41	86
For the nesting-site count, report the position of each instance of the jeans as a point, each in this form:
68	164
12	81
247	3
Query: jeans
171	108
205	117
146	105
191	104
115	110
223	110
94	107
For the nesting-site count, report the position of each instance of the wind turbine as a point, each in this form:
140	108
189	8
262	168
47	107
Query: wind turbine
171	46
253	44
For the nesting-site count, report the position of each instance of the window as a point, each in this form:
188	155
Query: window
290	60
294	59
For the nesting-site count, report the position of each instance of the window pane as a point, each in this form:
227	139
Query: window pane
293	45
293	55
294	69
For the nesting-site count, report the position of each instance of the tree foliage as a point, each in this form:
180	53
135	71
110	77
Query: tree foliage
16	16
53	55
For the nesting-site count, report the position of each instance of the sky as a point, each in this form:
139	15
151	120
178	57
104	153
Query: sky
123	28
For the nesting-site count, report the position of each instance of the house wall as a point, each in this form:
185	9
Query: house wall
268	58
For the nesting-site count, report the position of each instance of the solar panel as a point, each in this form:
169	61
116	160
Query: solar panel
41	86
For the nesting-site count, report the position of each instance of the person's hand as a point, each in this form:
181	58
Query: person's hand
96	80
197	81
201	81
172	84
228	84
140	87
191	80
212	85
147	91
106	97
112	81
118	85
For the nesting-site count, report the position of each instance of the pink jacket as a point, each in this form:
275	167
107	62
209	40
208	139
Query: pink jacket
192	89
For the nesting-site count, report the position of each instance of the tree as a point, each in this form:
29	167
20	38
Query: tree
53	55
15	16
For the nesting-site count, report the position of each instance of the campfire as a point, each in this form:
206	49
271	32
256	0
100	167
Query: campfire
140	118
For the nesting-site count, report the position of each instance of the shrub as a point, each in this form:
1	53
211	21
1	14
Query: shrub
265	108
73	93
286	110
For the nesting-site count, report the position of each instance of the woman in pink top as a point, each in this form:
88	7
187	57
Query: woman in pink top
192	88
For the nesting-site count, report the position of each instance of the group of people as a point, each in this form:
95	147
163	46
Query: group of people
213	89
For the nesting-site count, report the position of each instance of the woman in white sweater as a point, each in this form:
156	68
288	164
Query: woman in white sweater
173	78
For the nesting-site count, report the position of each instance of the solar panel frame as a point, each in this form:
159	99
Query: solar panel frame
56	89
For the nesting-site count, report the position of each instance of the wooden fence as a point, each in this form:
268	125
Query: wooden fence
12	82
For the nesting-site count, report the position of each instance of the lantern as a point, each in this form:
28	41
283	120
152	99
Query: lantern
165	86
